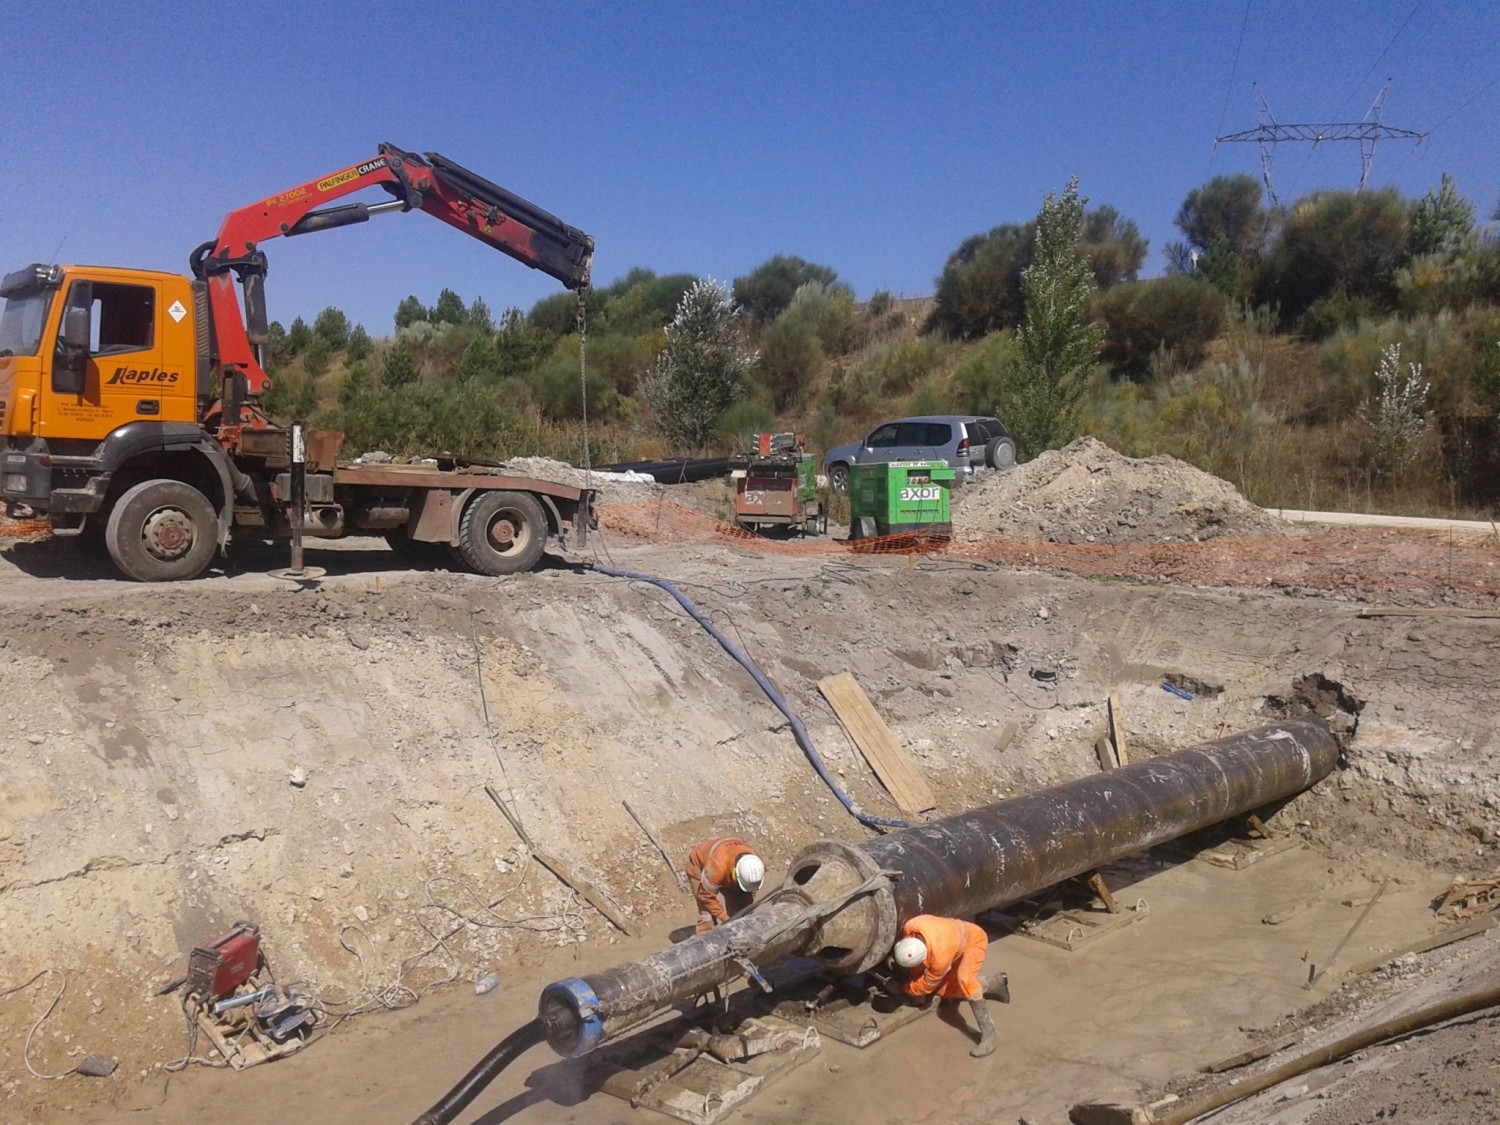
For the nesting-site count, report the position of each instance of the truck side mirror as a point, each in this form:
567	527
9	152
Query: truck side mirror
71	365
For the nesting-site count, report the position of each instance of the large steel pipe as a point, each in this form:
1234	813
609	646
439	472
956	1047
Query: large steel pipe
958	866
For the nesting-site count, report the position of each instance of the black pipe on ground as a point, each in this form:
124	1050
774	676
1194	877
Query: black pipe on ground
488	1069
959	866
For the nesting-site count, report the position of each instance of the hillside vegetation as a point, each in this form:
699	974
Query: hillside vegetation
1340	352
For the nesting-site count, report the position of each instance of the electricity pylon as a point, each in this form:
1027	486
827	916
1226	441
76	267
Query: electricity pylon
1269	132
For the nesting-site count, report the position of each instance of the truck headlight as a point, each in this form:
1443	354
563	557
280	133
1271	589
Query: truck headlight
15	482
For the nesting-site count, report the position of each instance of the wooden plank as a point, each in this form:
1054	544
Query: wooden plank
868	730
1117	730
650	835
595	897
1007	735
1462	932
1402	611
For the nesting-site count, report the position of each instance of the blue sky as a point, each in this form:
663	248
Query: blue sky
701	138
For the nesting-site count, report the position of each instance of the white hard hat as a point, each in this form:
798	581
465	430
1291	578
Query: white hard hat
749	872
910	952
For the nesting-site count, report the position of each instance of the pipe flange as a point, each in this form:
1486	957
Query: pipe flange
569	1011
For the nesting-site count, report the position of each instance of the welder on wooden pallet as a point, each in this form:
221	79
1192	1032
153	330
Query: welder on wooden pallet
943	957
723	866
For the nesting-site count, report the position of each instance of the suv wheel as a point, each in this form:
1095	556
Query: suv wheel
838	476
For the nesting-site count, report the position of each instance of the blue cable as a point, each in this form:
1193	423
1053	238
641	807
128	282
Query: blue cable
798	730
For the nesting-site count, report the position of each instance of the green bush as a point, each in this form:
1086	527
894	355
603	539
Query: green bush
767	291
829	312
292	397
979	290
1337	242
1334	313
622	360
790	358
1178	315
557	389
737	426
978	378
935	396
889	370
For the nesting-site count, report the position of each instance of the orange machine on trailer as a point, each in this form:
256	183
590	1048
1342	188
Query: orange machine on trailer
131	398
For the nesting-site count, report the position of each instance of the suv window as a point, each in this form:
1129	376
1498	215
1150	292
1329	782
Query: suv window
912	433
884	437
983	431
938	433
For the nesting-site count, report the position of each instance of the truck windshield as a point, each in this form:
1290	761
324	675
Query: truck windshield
22	321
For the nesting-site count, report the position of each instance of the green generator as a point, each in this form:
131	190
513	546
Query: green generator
905	498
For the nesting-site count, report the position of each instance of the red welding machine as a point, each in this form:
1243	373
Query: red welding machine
218	969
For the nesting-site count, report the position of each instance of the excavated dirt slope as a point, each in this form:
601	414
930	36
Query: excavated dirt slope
176	759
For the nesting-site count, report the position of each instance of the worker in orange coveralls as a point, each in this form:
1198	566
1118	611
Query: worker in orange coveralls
724	866
943	956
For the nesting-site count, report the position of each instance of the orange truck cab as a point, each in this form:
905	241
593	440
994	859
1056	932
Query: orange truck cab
130	399
97	366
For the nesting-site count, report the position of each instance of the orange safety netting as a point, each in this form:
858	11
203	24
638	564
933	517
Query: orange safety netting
1356	560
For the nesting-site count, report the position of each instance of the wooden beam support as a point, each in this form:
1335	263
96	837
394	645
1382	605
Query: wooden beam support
595	897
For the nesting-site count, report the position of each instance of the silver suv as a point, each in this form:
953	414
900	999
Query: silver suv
963	440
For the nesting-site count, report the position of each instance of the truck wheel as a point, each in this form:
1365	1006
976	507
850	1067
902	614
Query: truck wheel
1000	453
502	533
162	531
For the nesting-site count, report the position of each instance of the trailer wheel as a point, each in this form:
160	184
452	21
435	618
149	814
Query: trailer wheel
162	531
502	533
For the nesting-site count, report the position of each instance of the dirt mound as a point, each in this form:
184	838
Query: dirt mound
1088	493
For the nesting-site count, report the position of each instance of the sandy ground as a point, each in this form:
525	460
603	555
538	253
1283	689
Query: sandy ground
177	758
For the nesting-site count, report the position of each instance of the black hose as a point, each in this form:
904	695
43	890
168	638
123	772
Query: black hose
472	1084
798	730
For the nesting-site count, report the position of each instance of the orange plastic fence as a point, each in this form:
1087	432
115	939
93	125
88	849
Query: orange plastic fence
1358	560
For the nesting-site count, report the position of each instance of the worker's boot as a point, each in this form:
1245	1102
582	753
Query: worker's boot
997	987
986	1045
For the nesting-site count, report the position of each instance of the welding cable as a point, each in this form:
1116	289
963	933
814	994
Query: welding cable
451	1104
798	730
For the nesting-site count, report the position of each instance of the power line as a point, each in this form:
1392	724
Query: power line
1493	82
1229	88
1376	63
1389	44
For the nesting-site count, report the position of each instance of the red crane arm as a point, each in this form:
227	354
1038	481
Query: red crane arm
430	183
